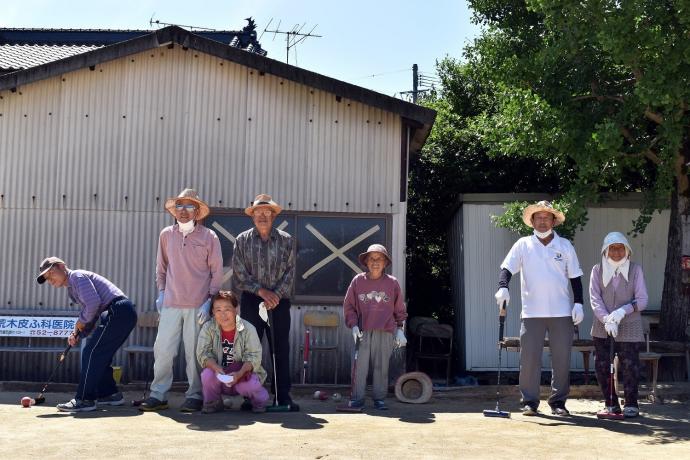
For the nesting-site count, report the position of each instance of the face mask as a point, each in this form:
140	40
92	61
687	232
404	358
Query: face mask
615	264
542	235
187	227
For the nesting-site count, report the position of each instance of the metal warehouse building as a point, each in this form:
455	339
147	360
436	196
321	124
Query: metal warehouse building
91	145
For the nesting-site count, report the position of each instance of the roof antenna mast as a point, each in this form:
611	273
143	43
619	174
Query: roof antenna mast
293	37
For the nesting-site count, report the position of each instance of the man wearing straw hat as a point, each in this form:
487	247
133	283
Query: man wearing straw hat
189	271
548	264
263	269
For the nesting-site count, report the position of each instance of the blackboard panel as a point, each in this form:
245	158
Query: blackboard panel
314	234
316	277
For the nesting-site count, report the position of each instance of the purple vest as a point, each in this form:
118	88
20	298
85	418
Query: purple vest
630	328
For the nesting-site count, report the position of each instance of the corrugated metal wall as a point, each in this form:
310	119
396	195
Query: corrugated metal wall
131	132
87	160
483	247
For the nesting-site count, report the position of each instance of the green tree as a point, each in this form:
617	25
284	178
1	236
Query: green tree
453	162
602	86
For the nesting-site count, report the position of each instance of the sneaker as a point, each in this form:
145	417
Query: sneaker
191	405
259	409
213	406
246	405
77	405
528	410
294	407
115	399
630	411
380	404
153	404
559	409
356	404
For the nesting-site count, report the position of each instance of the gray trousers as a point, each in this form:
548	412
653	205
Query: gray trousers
532	334
376	348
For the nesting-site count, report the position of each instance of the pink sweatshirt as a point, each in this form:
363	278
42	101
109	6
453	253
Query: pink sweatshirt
189	269
379	303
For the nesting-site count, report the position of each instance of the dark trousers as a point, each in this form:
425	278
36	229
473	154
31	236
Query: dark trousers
280	324
96	380
629	368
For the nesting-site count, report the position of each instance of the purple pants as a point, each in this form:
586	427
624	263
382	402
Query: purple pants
250	388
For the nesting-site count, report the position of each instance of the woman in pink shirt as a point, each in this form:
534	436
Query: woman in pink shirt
375	311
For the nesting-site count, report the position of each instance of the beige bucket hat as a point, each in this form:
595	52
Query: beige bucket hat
374	248
263	200
542	206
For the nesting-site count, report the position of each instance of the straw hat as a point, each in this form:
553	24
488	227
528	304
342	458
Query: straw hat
381	249
191	195
542	206
263	200
414	388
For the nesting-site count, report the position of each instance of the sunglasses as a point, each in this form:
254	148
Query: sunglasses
188	207
263	212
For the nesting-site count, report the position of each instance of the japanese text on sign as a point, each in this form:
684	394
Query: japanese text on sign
37	326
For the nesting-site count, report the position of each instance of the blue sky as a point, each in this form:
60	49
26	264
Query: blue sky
361	38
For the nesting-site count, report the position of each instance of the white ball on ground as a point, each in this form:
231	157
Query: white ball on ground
317	394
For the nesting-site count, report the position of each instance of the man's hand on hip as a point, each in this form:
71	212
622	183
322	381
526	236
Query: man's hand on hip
271	299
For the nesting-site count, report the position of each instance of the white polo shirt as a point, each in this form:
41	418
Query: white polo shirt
546	272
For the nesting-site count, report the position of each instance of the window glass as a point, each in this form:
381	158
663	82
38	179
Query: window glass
327	247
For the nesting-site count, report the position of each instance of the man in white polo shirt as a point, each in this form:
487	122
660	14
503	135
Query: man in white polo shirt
548	263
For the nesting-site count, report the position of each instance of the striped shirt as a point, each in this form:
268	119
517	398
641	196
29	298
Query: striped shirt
93	292
264	264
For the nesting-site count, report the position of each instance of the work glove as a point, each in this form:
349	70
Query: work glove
356	333
204	312
400	340
577	314
263	313
159	301
611	328
502	295
616	316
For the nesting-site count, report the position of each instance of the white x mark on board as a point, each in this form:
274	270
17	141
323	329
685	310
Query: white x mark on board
338	252
220	229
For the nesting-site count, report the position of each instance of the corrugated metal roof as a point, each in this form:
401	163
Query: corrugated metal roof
16	57
25	48
419	118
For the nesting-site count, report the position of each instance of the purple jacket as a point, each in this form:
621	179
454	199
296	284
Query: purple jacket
619	293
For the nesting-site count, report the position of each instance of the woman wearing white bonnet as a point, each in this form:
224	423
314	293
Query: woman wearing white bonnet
618	294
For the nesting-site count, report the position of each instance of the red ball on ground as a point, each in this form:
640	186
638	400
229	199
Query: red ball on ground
26	401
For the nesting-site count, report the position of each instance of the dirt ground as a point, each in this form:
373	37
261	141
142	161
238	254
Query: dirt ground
450	426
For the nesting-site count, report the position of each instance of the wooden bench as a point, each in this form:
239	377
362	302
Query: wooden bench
584	346
31	328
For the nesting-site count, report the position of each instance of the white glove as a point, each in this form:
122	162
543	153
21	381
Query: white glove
578	314
356	334
616	316
204	312
502	295
611	328
263	313
159	301
400	340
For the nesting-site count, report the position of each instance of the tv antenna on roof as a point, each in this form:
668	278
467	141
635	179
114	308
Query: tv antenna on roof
293	37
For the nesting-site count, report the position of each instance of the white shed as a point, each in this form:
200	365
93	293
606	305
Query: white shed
477	249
